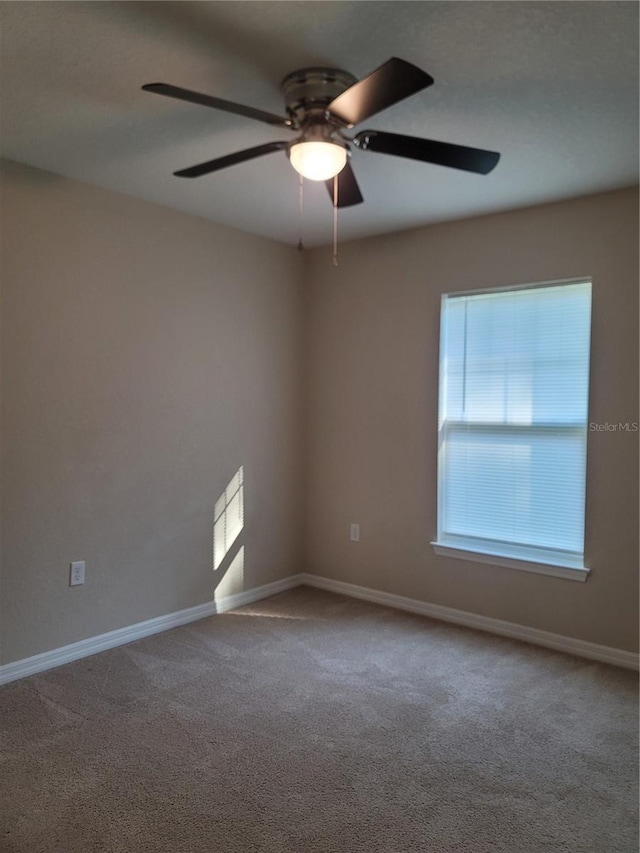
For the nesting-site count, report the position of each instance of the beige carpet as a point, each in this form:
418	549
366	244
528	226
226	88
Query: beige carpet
312	723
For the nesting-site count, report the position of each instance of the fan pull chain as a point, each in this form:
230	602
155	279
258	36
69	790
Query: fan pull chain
300	209
335	220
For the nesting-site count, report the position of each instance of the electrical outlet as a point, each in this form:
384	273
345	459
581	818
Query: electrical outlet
76	573
355	533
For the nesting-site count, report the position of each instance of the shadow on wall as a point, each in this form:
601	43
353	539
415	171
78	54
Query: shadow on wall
228	524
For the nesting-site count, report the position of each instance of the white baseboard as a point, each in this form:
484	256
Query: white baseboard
92	645
102	642
581	648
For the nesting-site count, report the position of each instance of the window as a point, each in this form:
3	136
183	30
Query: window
514	377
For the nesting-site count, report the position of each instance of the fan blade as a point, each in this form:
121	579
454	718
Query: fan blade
230	160
348	189
392	82
217	103
428	150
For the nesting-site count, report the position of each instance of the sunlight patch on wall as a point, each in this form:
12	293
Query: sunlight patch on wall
233	580
228	517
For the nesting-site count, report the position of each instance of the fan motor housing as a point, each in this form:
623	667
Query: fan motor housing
311	90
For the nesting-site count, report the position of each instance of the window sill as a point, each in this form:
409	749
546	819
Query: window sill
571	573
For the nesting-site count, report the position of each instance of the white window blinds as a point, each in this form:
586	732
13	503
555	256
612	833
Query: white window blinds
514	378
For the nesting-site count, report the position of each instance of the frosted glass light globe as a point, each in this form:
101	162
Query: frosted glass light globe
317	161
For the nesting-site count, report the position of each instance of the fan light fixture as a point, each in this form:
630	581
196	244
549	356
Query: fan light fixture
318	161
321	103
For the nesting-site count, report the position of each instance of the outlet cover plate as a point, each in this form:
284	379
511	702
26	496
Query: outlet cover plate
76	573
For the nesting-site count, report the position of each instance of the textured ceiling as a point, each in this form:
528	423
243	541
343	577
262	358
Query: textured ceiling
553	86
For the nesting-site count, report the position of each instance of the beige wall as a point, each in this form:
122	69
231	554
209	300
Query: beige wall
146	355
373	326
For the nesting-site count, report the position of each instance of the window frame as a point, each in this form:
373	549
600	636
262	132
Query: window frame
549	562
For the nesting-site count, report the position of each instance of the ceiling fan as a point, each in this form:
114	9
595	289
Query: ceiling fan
321	103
